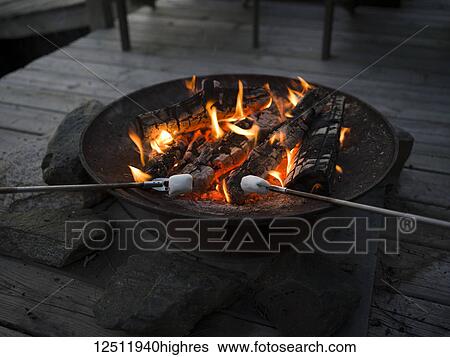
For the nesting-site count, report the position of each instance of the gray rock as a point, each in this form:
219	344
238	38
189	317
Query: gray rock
306	295
23	168
61	163
39	235
161	294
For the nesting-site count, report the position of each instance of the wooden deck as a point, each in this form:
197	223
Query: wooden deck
411	87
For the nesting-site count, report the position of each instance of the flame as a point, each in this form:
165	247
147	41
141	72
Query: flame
276	175
239	112
138	142
138	175
251	133
339	169
162	142
290	155
343	135
295	95
212	113
305	85
279	135
225	191
316	187
191	84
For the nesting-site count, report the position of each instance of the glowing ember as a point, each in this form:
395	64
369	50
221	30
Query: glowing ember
162	142
138	175
339	169
343	136
212	113
225	191
316	187
138	142
251	133
277	176
191	84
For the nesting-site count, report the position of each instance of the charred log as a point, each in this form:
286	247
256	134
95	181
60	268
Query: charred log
267	155
218	158
315	163
161	164
191	114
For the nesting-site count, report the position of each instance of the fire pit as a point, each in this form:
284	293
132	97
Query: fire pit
247	112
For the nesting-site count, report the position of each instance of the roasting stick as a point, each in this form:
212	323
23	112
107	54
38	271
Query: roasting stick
174	185
258	185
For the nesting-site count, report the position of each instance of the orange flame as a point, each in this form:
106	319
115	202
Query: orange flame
212	113
138	175
295	95
343	135
316	187
138	142
276	175
277	136
339	169
290	155
225	191
162	142
191	84
239	112
251	133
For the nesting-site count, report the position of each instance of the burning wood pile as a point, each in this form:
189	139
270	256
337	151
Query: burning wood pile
221	134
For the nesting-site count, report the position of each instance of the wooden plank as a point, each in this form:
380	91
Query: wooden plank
6	332
43	302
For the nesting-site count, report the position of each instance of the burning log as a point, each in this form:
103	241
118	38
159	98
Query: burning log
267	155
162	164
220	157
314	165
191	114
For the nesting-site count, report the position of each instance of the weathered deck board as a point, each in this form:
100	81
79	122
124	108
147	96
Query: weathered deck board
411	87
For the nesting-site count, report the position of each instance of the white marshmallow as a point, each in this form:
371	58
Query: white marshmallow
255	184
179	184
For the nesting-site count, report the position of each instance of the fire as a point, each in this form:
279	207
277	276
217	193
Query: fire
225	191
162	142
191	84
251	133
138	142
343	135
276	175
239	112
339	169
277	136
290	155
295	95
316	187
138	175
212	113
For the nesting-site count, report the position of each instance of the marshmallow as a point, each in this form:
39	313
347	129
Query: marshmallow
179	184
255	184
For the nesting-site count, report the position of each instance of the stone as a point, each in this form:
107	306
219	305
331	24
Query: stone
40	236
22	168
305	295
61	163
162	294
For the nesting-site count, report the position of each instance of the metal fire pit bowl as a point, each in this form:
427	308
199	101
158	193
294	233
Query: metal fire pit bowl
106	152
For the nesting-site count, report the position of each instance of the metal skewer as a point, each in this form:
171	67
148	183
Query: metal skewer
257	184
339	202
84	187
